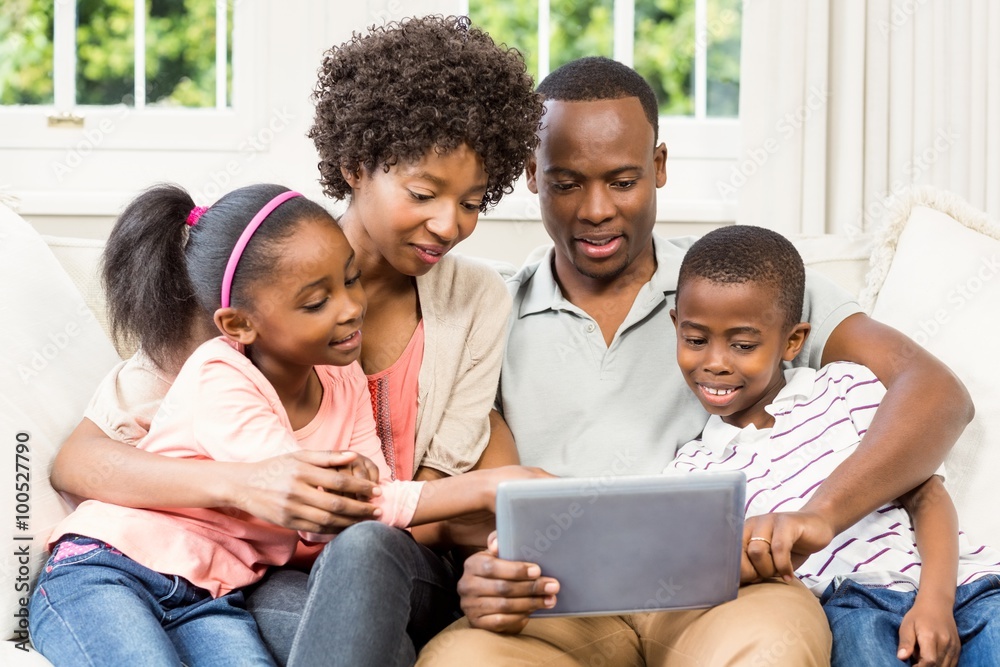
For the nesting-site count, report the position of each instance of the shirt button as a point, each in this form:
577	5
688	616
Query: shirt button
590	328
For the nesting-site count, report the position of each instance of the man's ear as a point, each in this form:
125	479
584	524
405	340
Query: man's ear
235	325
660	164
530	165
796	339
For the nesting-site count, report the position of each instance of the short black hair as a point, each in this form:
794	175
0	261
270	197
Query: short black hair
598	78
427	83
743	254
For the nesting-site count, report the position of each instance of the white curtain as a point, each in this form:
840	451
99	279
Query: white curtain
844	103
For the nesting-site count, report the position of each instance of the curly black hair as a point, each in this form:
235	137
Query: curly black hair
748	254
420	84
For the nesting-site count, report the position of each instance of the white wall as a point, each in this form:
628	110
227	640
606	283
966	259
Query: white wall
85	200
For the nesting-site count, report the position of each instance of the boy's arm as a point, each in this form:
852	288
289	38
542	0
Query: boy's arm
928	630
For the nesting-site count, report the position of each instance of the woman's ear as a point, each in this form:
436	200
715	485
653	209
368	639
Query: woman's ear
235	325
353	177
796	339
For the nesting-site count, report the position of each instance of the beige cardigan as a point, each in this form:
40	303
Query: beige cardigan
465	306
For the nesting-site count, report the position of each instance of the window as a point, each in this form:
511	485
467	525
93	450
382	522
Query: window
162	77
689	52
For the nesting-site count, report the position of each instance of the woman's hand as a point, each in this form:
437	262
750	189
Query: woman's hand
308	491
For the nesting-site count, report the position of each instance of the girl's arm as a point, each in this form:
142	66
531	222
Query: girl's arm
470	530
471	492
928	630
284	490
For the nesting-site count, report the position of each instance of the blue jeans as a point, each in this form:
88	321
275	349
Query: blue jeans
374	597
100	607
865	622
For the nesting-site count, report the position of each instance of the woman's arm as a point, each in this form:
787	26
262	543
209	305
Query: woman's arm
928	630
285	490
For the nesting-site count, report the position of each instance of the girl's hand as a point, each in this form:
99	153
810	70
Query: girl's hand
928	635
308	491
362	467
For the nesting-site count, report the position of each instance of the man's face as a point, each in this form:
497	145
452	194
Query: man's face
596	171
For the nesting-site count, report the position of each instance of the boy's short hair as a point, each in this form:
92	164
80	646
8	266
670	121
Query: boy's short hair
744	253
426	83
598	78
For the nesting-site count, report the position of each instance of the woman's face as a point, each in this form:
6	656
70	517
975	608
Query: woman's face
418	211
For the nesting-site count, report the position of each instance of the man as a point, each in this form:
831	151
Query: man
590	386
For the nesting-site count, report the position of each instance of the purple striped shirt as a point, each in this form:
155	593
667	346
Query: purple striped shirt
819	419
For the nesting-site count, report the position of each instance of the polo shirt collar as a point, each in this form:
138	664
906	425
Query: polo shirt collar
799	383
543	291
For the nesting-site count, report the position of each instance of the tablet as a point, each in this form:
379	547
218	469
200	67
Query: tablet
628	544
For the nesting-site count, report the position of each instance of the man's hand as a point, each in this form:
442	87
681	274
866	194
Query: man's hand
775	544
499	595
928	635
308	491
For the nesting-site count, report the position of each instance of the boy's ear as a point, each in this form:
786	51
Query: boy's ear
796	339
234	323
673	316
530	165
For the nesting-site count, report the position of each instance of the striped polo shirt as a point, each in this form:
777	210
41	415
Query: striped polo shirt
819	420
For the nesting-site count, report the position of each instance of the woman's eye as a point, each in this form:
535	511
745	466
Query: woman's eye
420	197
351	282
472	206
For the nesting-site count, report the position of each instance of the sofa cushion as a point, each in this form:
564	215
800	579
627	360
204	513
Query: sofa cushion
936	277
52	355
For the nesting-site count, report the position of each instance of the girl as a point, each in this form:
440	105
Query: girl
282	285
432	123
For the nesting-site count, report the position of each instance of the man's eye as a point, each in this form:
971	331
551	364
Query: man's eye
623	185
563	187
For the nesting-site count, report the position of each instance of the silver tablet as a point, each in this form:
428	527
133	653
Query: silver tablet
628	544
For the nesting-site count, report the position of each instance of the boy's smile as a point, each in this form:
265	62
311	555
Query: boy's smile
731	340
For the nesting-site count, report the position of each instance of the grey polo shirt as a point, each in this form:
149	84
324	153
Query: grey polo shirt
578	407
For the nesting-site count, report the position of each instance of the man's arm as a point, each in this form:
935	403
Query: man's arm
925	409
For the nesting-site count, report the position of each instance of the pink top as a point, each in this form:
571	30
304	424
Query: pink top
221	407
397	387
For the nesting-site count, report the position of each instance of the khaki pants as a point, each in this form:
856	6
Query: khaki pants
769	624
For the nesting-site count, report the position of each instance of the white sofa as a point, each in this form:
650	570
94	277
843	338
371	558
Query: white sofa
929	271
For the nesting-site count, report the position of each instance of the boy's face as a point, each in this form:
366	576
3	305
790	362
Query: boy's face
596	172
731	340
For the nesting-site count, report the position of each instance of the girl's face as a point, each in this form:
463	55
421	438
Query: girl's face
417	211
308	312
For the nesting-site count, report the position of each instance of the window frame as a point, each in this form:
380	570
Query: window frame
122	127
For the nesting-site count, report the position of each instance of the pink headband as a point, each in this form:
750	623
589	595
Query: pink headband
241	244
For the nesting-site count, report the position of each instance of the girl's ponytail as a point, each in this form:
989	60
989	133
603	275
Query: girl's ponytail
150	298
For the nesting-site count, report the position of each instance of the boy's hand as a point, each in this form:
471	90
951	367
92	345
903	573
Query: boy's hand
928	635
775	544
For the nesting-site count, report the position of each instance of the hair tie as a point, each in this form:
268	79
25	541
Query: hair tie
195	214
241	244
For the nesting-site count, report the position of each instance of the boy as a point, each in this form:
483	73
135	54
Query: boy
887	584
